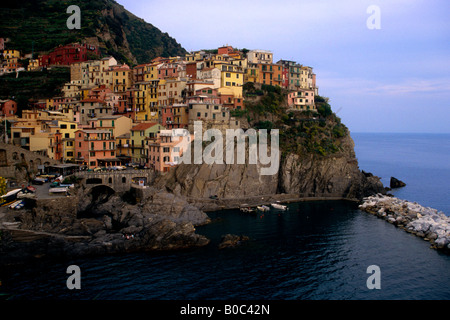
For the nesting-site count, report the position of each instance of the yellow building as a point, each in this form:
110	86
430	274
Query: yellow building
67	130
123	147
251	73
72	89
122	79
140	135
180	116
10	54
151	72
118	125
33	65
232	79
146	100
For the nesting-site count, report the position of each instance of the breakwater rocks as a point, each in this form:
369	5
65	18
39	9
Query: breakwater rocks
425	222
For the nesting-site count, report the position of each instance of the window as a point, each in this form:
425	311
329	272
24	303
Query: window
72	126
63	126
228	75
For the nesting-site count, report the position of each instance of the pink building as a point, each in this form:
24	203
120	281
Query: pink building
302	99
168	71
165	152
95	148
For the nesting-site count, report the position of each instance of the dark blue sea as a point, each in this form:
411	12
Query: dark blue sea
314	251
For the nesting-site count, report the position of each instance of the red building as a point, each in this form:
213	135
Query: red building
166	115
68	54
8	108
191	70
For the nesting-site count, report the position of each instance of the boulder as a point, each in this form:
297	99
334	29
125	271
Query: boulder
395	183
232	240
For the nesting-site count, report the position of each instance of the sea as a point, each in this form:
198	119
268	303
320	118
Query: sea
321	250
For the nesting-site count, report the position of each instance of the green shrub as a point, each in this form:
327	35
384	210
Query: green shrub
324	109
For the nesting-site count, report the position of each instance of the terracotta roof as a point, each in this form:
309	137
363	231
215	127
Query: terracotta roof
143	126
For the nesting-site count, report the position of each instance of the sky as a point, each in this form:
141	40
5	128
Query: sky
391	78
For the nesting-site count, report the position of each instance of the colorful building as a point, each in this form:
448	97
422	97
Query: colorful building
8	108
302	99
68	54
139	141
165	151
96	148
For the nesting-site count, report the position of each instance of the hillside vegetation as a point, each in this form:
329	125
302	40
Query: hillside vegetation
300	131
40	25
33	85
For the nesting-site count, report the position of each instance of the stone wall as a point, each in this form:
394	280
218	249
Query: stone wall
15	161
119	181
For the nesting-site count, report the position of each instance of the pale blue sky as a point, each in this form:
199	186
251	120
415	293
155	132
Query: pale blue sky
394	79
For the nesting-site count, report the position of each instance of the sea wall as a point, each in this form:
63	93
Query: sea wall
428	223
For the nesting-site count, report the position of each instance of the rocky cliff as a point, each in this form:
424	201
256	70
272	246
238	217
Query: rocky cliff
305	176
317	158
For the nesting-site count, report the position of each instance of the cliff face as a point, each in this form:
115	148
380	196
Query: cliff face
336	175
306	175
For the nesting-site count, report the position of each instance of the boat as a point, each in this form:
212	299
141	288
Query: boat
20	205
24	194
11	195
246	208
279	206
57	190
263	208
39	181
15	204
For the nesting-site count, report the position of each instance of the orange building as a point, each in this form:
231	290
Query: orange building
95	148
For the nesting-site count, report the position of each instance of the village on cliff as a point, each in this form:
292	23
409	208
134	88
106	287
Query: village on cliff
111	114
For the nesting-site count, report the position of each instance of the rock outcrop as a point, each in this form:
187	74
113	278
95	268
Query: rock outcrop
424	222
307	175
395	183
161	221
232	240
